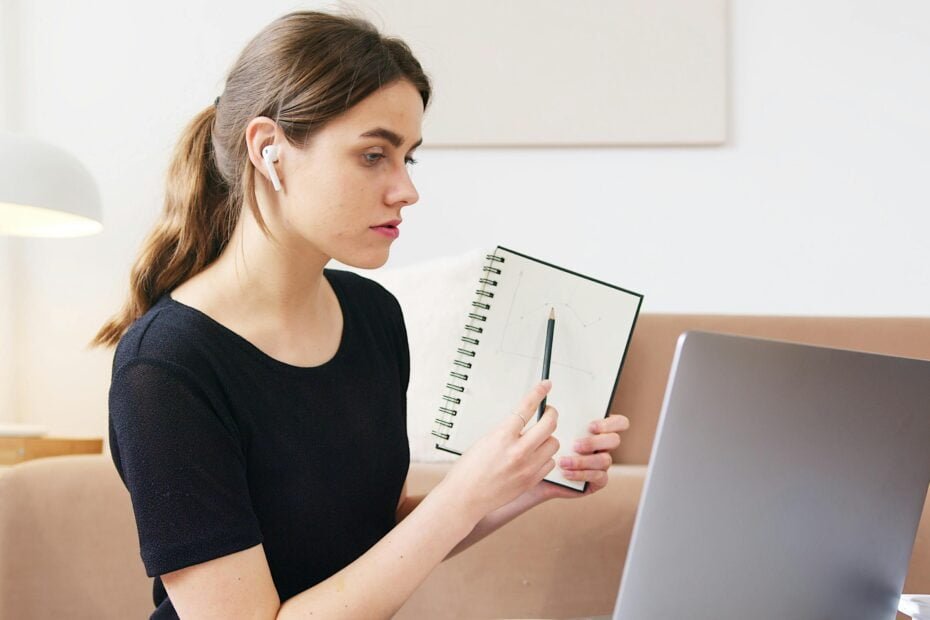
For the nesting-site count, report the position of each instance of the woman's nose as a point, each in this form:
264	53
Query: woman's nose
403	191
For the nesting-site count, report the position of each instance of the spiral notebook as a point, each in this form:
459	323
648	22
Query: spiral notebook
500	353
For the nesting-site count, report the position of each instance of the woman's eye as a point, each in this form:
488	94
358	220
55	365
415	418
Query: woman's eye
373	158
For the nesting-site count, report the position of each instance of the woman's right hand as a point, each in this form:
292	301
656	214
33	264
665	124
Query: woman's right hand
506	462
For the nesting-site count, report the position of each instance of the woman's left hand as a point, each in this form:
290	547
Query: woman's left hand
591	461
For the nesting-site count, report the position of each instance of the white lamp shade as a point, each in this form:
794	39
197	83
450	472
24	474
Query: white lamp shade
45	191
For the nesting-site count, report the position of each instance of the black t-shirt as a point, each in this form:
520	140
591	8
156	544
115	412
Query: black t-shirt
223	447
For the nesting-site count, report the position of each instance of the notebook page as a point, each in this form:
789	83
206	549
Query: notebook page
593	325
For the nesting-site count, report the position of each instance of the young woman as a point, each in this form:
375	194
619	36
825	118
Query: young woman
257	405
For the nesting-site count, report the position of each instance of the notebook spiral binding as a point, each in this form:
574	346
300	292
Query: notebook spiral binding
466	352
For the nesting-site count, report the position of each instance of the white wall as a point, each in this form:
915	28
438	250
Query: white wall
7	320
817	205
8	77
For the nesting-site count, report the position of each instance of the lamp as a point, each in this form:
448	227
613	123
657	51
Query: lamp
45	191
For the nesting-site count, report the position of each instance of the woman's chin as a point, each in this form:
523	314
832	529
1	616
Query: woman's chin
366	260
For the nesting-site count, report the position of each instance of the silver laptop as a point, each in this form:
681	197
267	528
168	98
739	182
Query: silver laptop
786	483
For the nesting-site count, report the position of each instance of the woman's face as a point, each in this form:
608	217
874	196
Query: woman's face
343	194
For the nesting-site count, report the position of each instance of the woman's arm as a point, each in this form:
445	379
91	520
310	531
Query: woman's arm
239	585
405	557
593	469
489	524
499	468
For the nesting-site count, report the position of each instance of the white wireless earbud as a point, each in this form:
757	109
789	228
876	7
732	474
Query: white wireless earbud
270	155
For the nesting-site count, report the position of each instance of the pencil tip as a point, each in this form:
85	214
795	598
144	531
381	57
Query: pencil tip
552	313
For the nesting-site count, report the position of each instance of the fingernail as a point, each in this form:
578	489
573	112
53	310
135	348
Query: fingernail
565	461
578	445
546	382
594	427
568	474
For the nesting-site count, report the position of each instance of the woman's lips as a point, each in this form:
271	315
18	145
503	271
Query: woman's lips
392	232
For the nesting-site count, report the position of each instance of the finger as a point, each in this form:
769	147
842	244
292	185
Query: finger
544	428
520	419
595	443
544	470
594	476
611	424
548	449
601	460
529	404
527	407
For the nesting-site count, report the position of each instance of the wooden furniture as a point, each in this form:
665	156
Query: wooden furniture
15	450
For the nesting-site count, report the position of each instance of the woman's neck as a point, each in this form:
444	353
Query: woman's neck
258	281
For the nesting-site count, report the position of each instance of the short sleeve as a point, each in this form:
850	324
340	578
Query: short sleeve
181	459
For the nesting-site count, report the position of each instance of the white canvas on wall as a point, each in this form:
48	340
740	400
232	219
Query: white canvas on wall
550	72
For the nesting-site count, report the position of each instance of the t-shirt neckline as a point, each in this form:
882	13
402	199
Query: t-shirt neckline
247	345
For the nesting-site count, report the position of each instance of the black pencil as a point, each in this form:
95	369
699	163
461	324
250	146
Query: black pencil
547	356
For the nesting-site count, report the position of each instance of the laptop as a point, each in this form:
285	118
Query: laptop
786	483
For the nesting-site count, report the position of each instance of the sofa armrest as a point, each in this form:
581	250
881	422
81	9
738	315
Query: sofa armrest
68	542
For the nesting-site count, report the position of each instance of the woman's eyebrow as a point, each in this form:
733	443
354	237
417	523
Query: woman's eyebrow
390	136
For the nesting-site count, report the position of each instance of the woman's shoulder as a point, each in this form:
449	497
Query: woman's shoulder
359	285
167	334
372	303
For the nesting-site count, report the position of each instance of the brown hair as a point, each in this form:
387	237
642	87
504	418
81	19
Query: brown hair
303	70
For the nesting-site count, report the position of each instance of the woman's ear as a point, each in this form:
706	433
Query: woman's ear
261	133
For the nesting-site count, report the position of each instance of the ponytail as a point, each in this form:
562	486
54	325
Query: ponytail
195	226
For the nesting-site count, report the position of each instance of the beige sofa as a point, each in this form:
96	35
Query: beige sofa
68	546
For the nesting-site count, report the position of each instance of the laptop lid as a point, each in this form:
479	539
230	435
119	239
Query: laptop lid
786	481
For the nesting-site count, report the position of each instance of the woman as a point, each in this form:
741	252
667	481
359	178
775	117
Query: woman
257	405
